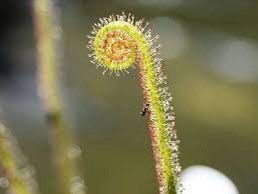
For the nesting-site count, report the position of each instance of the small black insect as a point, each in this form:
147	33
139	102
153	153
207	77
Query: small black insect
145	109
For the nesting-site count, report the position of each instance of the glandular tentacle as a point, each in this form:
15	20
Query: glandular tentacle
119	42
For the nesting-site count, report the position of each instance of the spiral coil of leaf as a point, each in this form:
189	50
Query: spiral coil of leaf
119	42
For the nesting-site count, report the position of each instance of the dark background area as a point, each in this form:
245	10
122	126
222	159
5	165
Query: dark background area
211	52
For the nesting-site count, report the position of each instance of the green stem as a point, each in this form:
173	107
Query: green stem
119	42
17	172
64	150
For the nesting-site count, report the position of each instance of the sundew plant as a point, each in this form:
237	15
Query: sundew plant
118	42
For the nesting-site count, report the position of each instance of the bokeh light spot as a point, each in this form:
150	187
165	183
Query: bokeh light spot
236	60
173	36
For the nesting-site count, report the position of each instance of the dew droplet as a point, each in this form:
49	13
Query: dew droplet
4	183
170	116
74	151
77	185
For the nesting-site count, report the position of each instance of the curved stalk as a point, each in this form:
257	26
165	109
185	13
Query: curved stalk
119	42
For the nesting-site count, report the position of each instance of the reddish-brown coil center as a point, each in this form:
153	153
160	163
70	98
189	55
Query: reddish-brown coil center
118	46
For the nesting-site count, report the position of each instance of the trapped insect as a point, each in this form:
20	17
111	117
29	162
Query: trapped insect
145	109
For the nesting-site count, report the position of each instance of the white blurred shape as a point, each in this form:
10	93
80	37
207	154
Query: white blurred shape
206	180
236	59
173	36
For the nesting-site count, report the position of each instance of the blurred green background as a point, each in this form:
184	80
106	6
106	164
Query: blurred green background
211	52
